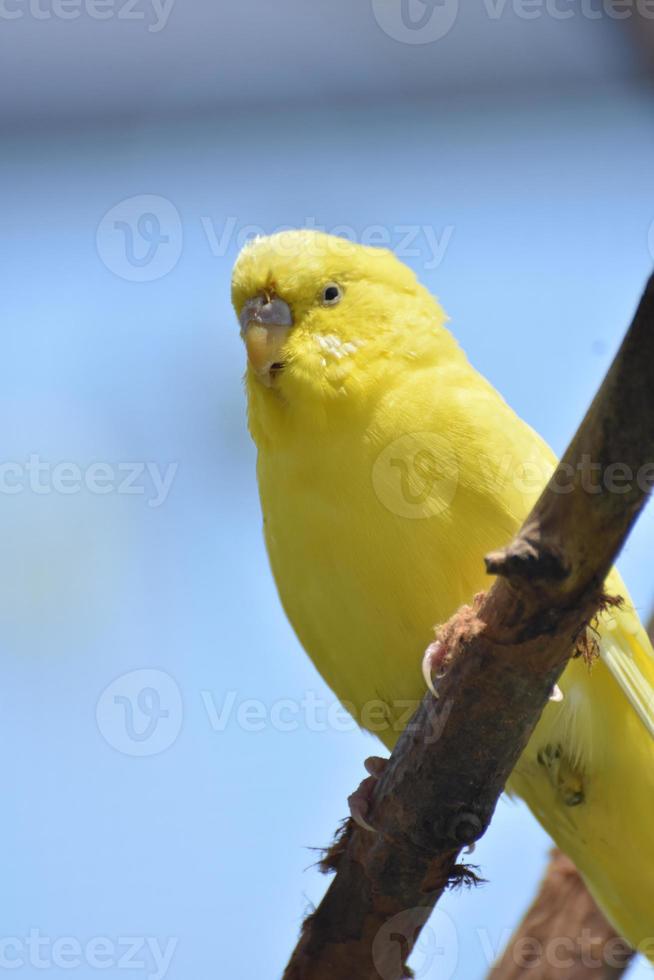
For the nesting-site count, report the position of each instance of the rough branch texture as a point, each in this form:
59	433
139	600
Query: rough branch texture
563	935
443	780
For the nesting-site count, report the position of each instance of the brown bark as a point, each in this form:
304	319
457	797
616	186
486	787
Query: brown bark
563	934
505	653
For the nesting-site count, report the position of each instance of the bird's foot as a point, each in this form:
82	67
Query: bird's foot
433	664
566	777
360	801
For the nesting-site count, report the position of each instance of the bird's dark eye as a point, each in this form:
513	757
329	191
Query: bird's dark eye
331	294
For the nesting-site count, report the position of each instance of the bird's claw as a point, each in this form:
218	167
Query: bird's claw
359	802
432	664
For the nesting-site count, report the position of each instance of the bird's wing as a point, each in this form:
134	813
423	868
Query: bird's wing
627	651
624	644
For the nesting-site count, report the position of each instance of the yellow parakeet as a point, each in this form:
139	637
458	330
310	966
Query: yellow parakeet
388	467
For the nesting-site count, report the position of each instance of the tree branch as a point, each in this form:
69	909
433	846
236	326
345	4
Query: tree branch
565	917
563	934
505	653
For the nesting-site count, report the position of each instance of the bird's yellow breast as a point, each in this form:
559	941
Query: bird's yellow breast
373	538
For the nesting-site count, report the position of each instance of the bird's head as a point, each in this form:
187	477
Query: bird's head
326	321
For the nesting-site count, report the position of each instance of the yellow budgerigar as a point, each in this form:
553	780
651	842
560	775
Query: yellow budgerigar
388	467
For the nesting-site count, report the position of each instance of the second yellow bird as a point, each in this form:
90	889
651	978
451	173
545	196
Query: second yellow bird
388	467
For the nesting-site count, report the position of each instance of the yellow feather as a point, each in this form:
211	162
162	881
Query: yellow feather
388	467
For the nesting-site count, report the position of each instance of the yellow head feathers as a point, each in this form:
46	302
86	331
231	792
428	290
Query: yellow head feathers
325	320
297	262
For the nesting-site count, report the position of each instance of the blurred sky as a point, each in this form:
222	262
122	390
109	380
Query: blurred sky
168	763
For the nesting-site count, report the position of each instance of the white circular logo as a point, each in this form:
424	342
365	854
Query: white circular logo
416	476
140	238
416	21
437	945
140	713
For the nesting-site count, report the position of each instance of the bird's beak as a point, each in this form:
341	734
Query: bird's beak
265	324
